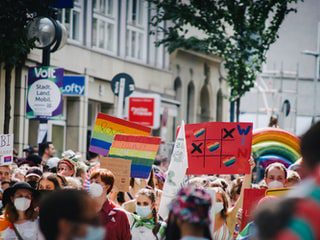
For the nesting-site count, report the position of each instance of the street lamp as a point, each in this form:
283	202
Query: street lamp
50	36
315	81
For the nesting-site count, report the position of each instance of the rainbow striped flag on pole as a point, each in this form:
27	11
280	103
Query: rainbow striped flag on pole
142	150
106	127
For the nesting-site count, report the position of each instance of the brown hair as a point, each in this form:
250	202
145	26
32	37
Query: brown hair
276	165
235	188
62	179
11	214
52	178
106	177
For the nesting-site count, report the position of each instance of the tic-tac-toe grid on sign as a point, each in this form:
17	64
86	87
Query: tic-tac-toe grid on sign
218	148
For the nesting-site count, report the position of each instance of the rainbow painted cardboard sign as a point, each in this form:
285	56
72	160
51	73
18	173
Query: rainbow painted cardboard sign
218	148
106	127
141	150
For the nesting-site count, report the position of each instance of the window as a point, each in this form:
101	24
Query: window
73	20
104	32
136	32
190	102
204	104
219	113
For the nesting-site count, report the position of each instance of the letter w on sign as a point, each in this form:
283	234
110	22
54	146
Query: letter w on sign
243	131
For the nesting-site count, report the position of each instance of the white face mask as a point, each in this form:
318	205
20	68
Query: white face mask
275	184
218	207
96	190
22	204
143	211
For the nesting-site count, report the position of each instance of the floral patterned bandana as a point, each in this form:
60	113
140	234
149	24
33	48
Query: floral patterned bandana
192	204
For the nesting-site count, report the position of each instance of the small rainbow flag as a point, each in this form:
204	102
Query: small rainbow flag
106	127
229	161
141	150
199	132
213	146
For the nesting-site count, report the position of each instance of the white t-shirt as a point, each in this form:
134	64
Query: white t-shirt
28	231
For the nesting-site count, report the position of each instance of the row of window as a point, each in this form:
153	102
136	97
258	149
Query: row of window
107	26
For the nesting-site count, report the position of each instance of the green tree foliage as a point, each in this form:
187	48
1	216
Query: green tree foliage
14	43
239	31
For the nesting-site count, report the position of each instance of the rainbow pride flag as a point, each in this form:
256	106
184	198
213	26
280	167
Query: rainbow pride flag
106	127
230	161
199	132
141	150
213	146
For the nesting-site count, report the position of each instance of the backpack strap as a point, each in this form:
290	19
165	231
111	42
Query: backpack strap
17	232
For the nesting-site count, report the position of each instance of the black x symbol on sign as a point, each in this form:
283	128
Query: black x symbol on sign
196	147
228	133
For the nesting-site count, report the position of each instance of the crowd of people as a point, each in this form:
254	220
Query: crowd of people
69	197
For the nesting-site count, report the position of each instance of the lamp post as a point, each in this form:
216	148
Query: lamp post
50	36
315	81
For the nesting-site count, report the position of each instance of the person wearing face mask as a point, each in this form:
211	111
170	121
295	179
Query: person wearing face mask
275	176
114	219
225	217
189	216
19	211
145	224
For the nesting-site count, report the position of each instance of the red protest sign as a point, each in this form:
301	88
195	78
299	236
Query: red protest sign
218	148
251	198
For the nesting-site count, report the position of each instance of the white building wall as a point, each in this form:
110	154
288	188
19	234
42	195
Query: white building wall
298	32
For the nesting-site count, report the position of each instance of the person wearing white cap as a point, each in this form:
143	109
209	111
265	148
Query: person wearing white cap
68	165
52	164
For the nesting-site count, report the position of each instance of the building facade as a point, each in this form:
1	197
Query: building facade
107	37
288	75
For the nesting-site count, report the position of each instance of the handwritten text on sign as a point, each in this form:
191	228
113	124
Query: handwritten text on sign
6	149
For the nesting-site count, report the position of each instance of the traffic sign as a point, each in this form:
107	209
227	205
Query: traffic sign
128	84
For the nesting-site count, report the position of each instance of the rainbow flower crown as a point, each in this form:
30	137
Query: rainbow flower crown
192	205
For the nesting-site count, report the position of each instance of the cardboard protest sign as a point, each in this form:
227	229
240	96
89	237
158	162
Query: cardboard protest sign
106	127
176	173
6	149
121	168
218	148
142	150
250	200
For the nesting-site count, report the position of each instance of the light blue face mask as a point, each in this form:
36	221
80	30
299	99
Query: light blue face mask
143	211
1	205
93	233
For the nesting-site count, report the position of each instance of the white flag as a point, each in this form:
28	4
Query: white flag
176	172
